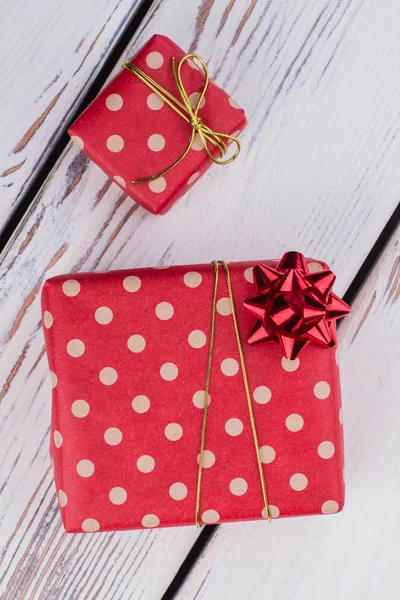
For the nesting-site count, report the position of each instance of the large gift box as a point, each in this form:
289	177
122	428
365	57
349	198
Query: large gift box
129	353
133	133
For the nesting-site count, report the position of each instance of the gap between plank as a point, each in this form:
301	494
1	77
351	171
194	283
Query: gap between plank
209	530
42	173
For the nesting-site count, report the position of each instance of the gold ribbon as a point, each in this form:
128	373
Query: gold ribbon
216	264
190	115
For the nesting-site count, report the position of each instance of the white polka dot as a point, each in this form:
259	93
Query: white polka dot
54	379
267	454
193	178
113	436
236	133
298	482
229	367
199	399
290	365
150	521
114	102
120	180
62	498
103	315
315	267
322	389
329	507
197	143
249	274
154	102
80	408
115	143
192	279
136	343
238	486
78	141
85	468
71	287
118	495
47	319
145	463
173	432
90	525
337	356
132	283
224	307
233	103
197	339
341	415
58	438
141	404
210	516
294	422
156	142
158	185
273	511
154	60
208	459
164	311
75	348
178	491
194	98
326	449
169	371
108	376
234	426
262	394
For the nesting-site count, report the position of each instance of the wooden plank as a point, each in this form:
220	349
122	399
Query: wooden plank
354	554
54	51
317	156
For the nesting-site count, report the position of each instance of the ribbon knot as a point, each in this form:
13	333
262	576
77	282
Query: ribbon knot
185	110
196	122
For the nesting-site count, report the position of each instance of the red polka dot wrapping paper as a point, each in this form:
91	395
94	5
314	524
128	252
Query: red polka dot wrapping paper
131	133
128	354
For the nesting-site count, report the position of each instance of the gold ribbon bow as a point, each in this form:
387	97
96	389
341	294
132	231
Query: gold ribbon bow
225	268
190	115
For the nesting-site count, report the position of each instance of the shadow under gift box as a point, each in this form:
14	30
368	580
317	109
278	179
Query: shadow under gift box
128	357
132	134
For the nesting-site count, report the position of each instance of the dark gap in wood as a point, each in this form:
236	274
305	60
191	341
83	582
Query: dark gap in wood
194	553
209	531
372	256
39	178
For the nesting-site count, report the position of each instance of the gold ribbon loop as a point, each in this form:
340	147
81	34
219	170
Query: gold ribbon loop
185	110
216	264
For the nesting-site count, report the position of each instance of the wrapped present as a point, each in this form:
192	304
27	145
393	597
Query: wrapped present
199	394
159	125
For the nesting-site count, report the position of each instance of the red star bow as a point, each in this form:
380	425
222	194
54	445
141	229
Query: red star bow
293	306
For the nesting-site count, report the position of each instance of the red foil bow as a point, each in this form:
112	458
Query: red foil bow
293	306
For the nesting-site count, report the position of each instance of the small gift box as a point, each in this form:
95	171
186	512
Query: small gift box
163	414
159	125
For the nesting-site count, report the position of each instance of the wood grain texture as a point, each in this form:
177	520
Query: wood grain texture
351	555
52	52
318	173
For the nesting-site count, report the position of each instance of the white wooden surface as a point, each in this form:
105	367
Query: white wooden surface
51	53
352	554
318	173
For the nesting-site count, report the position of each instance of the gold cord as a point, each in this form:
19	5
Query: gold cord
216	264
185	111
